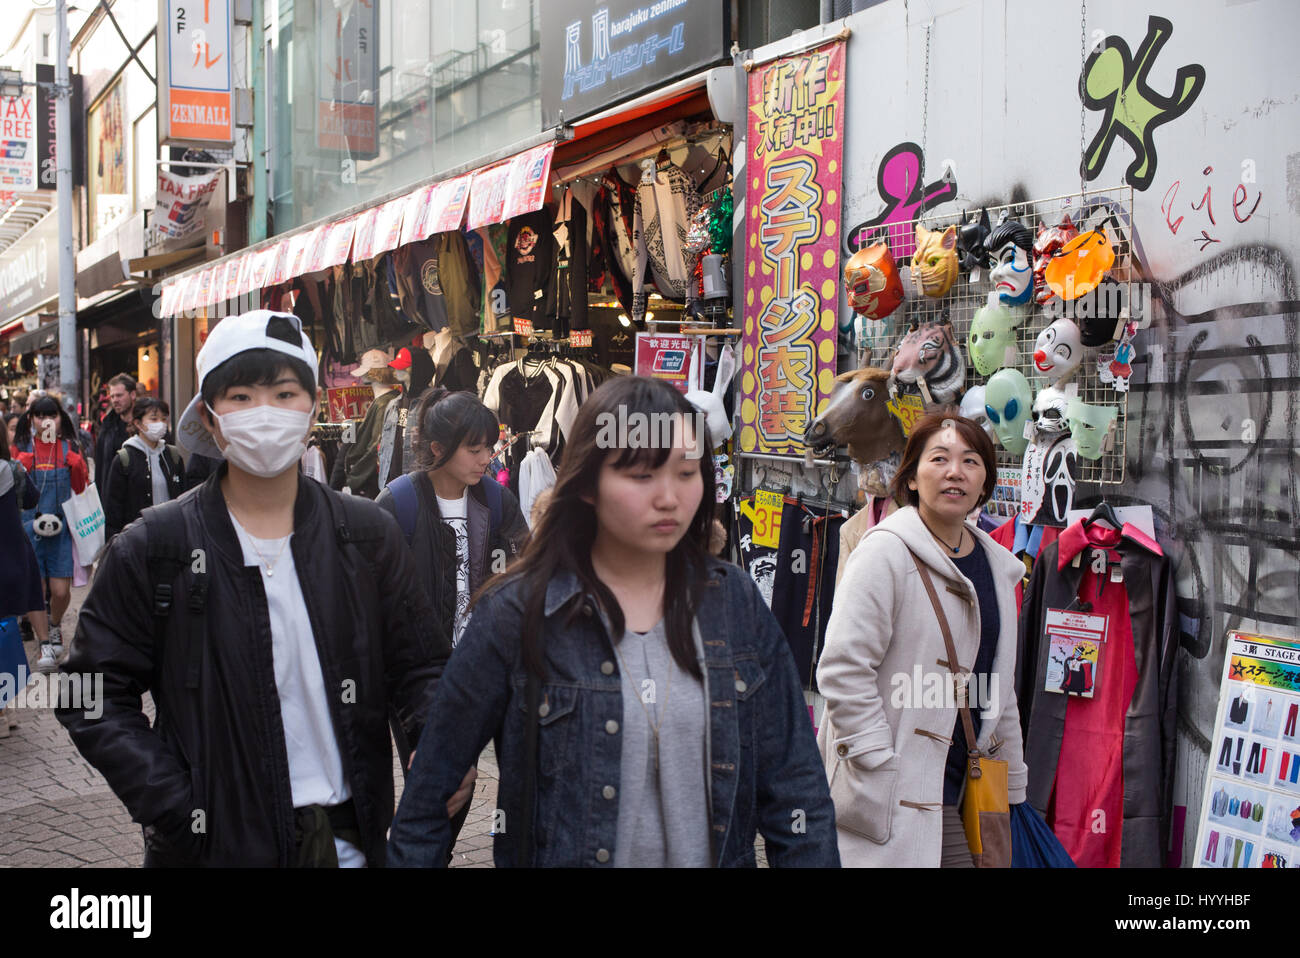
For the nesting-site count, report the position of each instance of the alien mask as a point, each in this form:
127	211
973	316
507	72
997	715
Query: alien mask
1007	401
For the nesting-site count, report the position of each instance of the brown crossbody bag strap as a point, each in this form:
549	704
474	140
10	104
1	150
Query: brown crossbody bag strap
968	726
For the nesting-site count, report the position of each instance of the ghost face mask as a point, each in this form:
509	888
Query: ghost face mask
992	341
1058	351
1007	402
1051	411
1089	426
972	408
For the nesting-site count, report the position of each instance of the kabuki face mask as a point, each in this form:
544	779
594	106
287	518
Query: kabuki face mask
1058	351
992	339
1010	247
1007	399
1089	425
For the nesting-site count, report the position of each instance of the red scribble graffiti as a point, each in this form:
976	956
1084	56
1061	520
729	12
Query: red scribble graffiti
1240	196
1241	188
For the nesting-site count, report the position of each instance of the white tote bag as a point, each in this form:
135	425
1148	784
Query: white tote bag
86	522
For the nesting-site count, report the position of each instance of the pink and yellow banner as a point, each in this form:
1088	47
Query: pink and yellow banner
796	145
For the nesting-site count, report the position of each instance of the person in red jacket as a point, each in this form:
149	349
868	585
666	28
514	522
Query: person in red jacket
45	443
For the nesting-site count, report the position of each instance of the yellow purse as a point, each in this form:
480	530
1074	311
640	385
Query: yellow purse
985	806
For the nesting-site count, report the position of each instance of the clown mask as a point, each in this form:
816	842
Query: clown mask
1089	426
1007	402
992	341
1012	274
972	408
872	282
1051	411
934	264
1058	351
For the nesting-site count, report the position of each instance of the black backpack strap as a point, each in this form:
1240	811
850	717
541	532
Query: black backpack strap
168	556
356	518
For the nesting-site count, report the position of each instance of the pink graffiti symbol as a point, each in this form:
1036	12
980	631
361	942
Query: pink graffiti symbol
898	181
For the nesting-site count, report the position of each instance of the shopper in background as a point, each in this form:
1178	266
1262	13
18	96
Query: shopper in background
146	471
645	706
22	593
113	427
897	766
58	470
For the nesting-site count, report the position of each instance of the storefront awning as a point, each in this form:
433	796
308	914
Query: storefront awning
42	337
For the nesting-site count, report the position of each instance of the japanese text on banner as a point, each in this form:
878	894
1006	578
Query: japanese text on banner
796	111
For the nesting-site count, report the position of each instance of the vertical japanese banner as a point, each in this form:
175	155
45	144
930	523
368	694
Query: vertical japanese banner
796	145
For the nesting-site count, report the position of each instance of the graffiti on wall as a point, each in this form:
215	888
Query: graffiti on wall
898	181
1114	83
1242	208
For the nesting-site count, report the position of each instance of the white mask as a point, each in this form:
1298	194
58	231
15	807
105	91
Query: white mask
265	440
154	431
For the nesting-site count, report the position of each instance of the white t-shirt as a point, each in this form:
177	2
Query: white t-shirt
315	765
455	513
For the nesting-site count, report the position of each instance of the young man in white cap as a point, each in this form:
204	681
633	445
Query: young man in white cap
276	623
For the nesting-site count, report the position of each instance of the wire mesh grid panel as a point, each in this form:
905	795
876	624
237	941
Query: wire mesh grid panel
1101	377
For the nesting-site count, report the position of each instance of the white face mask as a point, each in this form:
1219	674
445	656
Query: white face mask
265	440
154	431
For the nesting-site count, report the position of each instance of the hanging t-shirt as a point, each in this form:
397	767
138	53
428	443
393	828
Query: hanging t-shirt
455	513
315	765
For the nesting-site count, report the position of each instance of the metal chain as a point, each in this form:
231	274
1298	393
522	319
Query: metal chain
925	114
1083	60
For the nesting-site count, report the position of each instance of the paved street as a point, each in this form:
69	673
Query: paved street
57	811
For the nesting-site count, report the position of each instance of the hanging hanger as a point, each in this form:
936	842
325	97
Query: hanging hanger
1105	512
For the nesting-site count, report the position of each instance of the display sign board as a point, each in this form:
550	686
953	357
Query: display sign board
595	55
678	360
349	402
792	220
29	270
182	202
347	77
18	141
195	92
1250	810
46	131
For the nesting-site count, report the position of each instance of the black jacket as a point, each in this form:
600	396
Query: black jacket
216	753
112	433
128	492
434	542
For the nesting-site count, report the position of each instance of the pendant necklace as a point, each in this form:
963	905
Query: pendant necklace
961	536
654	725
268	564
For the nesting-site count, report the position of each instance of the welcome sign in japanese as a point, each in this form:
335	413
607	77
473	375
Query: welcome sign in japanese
796	144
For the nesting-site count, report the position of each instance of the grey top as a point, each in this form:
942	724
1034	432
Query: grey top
663	814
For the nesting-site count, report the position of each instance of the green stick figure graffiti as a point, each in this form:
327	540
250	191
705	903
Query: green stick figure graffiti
1115	82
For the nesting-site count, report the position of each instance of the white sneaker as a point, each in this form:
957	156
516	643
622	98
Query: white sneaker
47	662
56	640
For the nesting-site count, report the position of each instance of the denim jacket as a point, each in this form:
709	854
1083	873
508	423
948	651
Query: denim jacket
765	771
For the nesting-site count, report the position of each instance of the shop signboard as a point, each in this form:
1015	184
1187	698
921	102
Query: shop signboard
347	77
18	141
349	402
335	244
526	183
594	58
792	221
488	195
182	202
1250	809
29	270
46	130
678	360
195	93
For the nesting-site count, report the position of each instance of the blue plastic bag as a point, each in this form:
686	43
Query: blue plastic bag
1033	845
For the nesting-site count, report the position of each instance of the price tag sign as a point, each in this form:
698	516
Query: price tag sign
523	327
907	410
767	518
580	337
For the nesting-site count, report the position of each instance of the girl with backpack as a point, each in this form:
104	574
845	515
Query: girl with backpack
44	443
645	705
462	525
146	471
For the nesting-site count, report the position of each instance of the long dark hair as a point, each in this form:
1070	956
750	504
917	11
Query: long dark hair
45	406
451	420
563	537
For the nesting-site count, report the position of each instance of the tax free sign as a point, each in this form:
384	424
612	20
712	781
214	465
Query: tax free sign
195	93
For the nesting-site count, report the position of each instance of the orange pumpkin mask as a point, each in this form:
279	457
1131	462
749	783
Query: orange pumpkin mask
1080	265
934	264
872	282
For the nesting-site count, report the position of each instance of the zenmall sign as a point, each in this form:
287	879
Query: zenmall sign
195	93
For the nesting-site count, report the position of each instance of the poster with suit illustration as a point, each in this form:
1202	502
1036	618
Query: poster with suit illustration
1250	812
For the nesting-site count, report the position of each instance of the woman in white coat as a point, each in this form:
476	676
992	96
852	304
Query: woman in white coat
891	737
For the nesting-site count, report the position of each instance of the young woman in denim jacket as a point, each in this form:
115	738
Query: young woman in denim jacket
669	722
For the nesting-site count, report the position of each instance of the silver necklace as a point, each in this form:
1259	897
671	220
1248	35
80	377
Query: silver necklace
268	564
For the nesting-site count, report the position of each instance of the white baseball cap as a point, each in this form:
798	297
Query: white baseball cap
227	339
